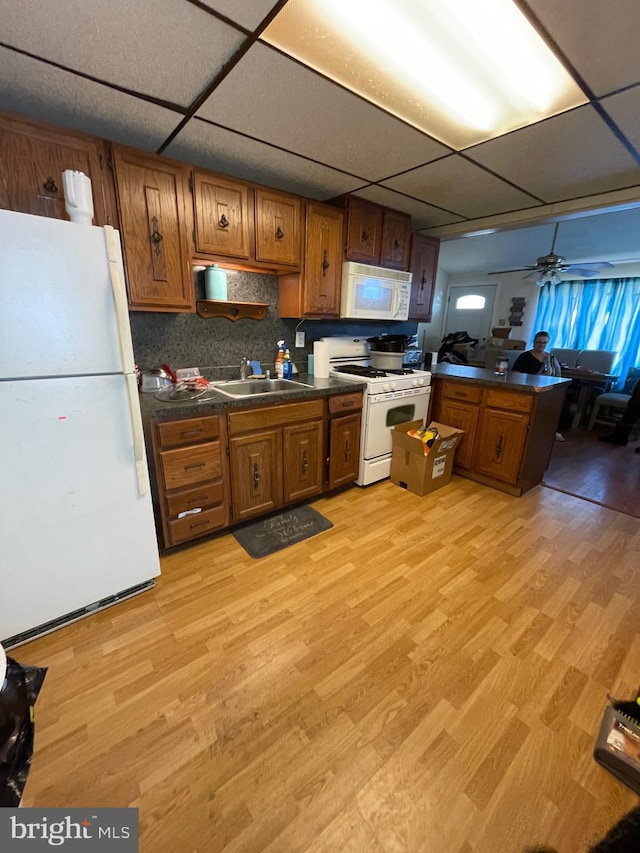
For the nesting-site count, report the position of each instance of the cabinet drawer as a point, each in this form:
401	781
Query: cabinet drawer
204	496
188	431
289	413
345	403
187	465
183	529
510	400
457	391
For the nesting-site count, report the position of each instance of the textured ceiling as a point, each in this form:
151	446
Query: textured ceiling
194	81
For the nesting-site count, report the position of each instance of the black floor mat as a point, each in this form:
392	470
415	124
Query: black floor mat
268	535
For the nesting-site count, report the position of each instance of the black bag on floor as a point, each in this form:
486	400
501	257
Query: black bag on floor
18	694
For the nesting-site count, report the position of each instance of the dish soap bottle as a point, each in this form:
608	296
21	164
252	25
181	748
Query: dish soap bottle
287	367
280	360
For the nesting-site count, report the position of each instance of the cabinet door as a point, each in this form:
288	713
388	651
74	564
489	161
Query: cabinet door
303	461
500	451
222	215
32	160
323	260
364	231
156	222
461	416
423	266
278	227
255	473
396	240
344	450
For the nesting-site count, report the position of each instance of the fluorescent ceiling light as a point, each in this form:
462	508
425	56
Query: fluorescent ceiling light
462	71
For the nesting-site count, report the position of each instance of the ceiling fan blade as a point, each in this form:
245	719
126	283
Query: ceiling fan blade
519	269
596	265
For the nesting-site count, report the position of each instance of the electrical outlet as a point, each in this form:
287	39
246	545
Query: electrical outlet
299	339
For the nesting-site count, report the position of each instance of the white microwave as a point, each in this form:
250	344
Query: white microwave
374	293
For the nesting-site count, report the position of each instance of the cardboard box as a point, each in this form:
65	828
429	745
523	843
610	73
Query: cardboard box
411	469
501	331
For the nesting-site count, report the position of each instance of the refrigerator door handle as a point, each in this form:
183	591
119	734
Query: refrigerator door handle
116	273
138	437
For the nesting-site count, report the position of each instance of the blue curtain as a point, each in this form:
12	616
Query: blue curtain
600	314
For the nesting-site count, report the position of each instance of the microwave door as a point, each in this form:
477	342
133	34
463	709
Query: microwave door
395	301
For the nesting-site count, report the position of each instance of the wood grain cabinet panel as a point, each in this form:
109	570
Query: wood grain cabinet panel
32	160
344	449
303	461
156	220
461	416
363	236
256	473
222	214
395	244
184	466
278	227
323	260
499	453
423	265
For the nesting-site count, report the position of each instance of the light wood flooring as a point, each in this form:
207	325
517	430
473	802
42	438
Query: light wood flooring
428	675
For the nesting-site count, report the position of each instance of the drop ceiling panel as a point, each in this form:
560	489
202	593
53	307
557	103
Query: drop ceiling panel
599	38
422	215
565	157
624	109
142	46
222	150
46	93
492	252
247	13
273	98
462	187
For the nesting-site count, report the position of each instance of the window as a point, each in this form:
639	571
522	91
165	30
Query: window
471	302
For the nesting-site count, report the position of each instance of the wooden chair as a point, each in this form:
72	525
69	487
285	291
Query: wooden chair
609	407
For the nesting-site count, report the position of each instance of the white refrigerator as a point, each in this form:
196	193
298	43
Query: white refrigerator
76	521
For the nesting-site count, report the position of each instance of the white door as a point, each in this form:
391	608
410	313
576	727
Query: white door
73	527
57	310
470	309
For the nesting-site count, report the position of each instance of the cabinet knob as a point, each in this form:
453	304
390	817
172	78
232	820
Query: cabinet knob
305	461
156	236
223	222
256	476
279	233
50	186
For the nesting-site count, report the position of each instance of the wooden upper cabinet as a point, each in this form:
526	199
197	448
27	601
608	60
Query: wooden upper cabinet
32	159
363	231
396	240
423	266
156	221
277	225
323	260
222	215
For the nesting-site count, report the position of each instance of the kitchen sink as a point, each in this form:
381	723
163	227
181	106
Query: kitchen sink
256	387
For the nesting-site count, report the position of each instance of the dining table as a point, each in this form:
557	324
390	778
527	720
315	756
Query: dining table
586	380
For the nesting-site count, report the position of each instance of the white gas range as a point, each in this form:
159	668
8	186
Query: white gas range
391	397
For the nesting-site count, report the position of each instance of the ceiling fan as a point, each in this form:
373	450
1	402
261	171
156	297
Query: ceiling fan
548	267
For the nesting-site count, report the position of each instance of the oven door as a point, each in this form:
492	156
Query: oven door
386	411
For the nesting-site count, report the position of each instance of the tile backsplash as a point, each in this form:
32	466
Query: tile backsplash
218	344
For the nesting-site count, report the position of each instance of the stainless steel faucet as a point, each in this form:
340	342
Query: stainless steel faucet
243	368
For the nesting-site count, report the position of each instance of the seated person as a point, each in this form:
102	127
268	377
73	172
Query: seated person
538	360
622	430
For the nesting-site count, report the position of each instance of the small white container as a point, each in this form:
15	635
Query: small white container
215	283
78	196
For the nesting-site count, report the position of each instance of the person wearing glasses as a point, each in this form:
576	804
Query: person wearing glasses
538	360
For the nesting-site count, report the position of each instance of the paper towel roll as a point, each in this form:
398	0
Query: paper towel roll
321	359
78	196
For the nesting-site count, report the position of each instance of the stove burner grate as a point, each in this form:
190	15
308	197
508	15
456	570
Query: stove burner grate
361	370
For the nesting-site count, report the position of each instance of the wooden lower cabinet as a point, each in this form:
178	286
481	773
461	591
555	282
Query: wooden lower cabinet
276	456
345	422
191	477
256	473
508	434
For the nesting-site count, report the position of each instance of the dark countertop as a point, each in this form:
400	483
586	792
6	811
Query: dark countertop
511	379
153	408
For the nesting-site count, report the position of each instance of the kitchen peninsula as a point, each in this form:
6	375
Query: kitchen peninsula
509	421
